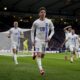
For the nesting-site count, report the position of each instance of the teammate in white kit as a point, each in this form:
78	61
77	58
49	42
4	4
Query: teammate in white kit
41	29
67	31
73	44
15	34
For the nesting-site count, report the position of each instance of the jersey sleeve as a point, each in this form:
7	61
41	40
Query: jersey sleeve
51	26
32	32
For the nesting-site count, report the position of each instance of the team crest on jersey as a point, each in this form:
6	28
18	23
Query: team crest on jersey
36	49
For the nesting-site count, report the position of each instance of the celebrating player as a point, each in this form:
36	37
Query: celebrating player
41	29
67	31
73	44
15	34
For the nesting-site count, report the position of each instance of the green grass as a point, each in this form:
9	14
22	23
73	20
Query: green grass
56	68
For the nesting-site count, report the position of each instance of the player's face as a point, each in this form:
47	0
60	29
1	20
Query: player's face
65	30
42	14
73	32
15	24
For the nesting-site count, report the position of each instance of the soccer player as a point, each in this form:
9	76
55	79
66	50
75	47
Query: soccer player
67	31
15	34
41	29
25	45
73	44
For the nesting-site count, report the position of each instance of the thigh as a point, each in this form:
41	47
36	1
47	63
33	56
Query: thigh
71	48
40	46
13	45
67	45
76	47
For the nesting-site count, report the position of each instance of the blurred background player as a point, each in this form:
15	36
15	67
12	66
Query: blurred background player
15	34
67	31
25	45
41	29
73	44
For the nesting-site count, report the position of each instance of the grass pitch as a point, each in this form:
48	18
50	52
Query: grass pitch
56	68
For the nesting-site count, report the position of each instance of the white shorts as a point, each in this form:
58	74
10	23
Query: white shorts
40	46
15	45
77	47
67	45
73	48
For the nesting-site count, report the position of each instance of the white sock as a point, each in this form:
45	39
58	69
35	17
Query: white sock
39	63
15	58
77	55
71	59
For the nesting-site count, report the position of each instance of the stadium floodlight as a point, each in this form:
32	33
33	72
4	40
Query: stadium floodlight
5	8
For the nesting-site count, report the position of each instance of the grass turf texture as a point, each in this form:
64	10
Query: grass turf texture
56	68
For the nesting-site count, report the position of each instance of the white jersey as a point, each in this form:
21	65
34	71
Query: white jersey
67	34
15	34
73	39
77	40
42	29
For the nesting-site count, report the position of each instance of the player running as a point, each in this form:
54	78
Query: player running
25	45
73	44
15	34
67	31
41	29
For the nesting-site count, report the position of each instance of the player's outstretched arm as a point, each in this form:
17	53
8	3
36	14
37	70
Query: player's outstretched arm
64	42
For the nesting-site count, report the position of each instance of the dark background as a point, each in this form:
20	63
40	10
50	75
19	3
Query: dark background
61	12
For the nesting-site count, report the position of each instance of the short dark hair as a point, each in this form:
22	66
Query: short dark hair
41	8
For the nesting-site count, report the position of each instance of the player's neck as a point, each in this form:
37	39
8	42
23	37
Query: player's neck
69	31
15	27
73	34
42	18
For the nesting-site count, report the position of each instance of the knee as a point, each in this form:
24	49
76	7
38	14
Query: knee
39	55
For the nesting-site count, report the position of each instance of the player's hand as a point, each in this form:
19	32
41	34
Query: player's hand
48	39
9	36
33	43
